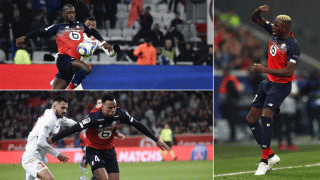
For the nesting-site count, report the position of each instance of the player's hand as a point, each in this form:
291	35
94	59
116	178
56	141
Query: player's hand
121	136
63	157
163	145
107	47
264	8
20	40
259	68
49	141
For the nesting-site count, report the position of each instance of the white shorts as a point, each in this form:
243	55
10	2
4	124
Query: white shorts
32	165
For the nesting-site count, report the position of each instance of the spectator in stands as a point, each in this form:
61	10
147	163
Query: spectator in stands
312	89
206	59
174	7
187	53
231	45
176	21
168	55
157	36
22	55
40	21
174	33
4	35
146	53
98	9
229	92
82	10
145	21
111	12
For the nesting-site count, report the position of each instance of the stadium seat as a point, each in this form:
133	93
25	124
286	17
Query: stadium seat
129	33
115	34
37	56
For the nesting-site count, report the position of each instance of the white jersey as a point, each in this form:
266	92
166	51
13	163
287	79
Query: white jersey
46	125
95	43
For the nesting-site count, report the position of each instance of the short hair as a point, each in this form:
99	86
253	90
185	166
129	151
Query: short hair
108	97
90	19
60	99
67	6
284	18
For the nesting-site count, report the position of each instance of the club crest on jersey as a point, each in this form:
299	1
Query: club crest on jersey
283	47
113	125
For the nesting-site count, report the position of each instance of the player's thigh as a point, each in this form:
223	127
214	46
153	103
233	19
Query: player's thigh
33	167
113	176
78	64
100	174
276	95
261	95
254	114
45	174
59	83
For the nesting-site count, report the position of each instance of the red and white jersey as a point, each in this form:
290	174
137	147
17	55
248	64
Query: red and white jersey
280	52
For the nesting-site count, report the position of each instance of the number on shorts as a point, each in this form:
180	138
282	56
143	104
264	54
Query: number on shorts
96	158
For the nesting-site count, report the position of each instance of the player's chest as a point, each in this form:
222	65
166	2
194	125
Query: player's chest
277	48
70	33
108	124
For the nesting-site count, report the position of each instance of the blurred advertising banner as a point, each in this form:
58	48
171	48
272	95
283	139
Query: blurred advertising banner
210	22
124	154
39	76
138	141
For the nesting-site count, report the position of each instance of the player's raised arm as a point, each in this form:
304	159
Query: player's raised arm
96	34
256	15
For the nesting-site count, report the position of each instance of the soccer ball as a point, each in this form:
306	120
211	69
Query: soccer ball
86	48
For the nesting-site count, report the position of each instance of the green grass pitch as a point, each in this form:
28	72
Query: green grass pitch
139	171
239	158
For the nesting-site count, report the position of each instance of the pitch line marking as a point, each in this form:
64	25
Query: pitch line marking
246	172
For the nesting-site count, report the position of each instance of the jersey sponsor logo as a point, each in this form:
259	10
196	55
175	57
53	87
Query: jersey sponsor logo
86	121
100	119
105	134
283	46
273	50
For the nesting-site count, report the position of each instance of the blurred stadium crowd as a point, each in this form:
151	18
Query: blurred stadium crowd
185	111
19	17
234	46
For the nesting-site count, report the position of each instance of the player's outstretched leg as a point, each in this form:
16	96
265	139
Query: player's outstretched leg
81	71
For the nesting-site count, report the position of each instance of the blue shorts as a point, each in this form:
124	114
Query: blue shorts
64	66
107	159
271	94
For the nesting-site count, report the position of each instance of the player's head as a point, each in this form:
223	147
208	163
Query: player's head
281	27
69	13
148	40
60	106
91	22
98	103
108	105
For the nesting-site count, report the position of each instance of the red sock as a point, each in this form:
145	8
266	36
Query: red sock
265	153
270	152
70	87
85	166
